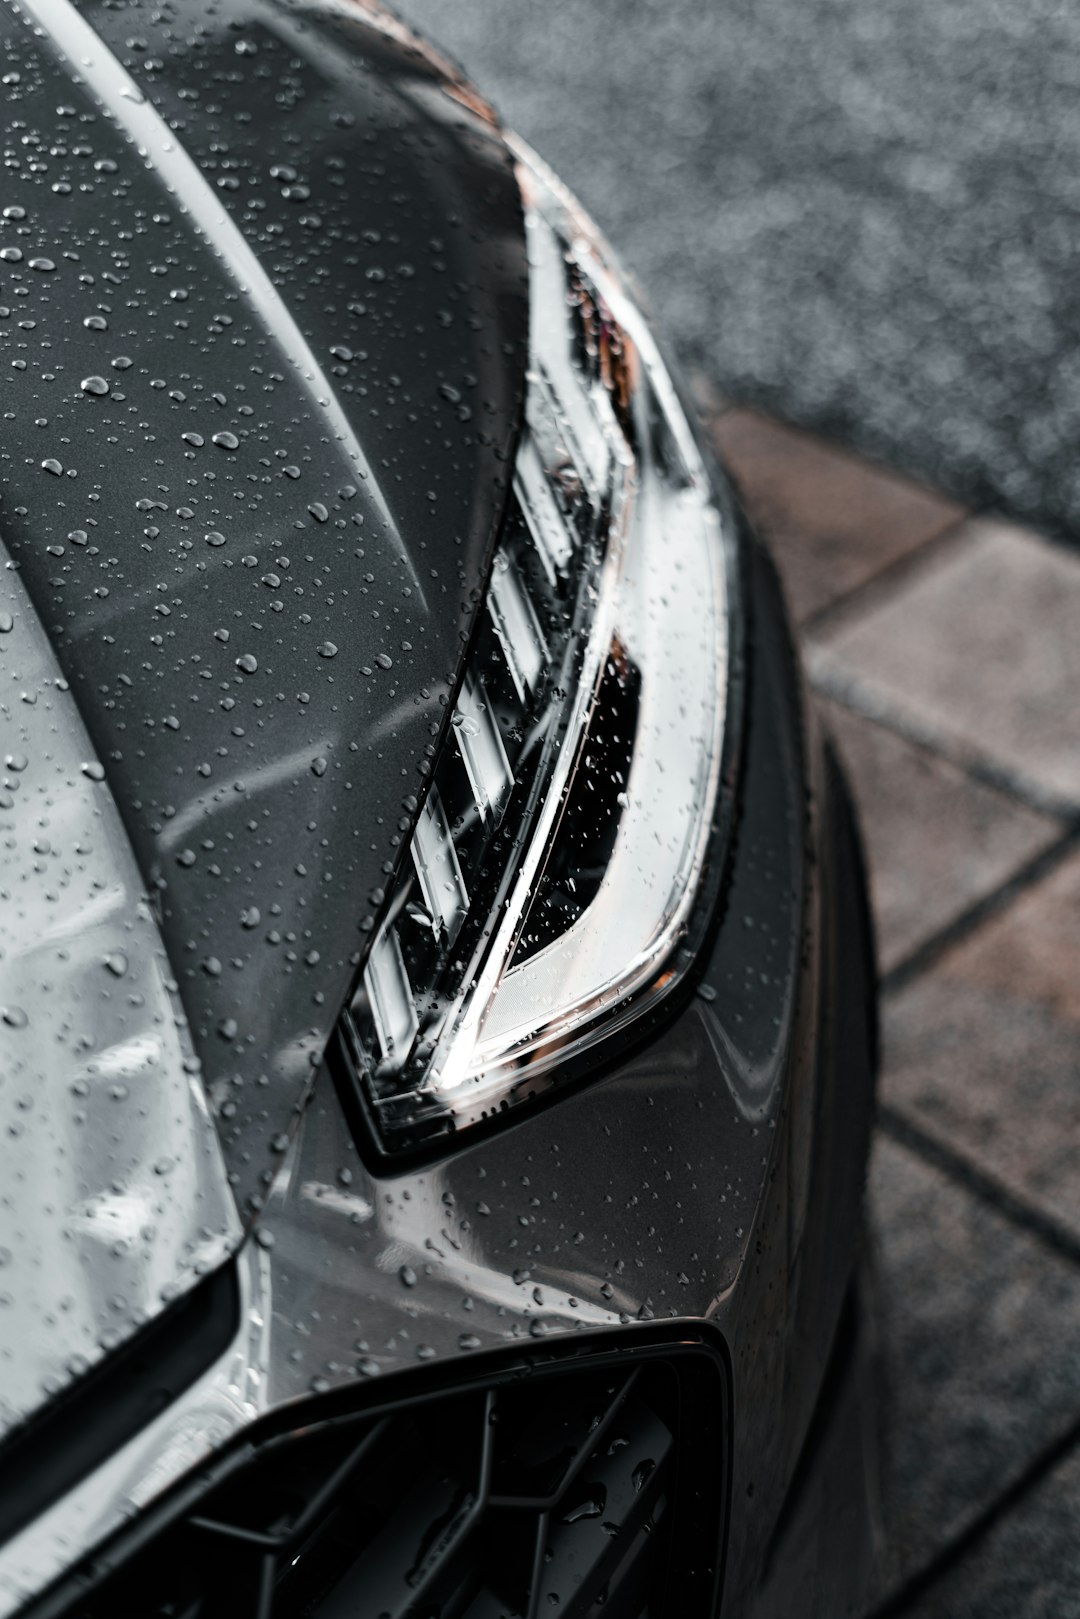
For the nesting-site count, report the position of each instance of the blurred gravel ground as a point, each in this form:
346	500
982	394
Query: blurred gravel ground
862	216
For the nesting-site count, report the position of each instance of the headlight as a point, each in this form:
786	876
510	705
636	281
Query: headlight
560	848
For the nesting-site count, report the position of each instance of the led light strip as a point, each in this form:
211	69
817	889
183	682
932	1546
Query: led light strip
555	866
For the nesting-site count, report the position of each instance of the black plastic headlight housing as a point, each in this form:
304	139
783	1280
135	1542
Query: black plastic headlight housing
559	849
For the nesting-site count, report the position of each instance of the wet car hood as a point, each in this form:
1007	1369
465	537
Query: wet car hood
266	303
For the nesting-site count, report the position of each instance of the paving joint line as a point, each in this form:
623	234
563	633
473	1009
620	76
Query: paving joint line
931	950
907	1132
862	699
918	1584
885	581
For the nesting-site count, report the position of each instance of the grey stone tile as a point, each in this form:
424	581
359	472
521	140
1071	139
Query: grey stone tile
831	520
980	646
979	1325
984	1049
1027	1566
937	840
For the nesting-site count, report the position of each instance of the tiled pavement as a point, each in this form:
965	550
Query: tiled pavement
945	646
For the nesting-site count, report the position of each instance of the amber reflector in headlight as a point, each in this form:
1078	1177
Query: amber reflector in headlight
560	848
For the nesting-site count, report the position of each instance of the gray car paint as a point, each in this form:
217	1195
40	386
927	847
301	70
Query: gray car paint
113	1194
676	1184
280	562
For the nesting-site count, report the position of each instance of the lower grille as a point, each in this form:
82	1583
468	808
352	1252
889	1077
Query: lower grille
589	1486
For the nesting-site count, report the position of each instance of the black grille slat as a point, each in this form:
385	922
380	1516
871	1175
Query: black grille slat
594	1491
557	1443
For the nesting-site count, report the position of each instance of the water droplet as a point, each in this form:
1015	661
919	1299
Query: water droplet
14	1017
591	1506
95	771
94	385
53	465
7	623
327	649
226	441
117	963
248	663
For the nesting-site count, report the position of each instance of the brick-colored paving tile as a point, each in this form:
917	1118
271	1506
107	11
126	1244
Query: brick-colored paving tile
831	520
985	1049
1027	1566
936	840
979	1326
981	646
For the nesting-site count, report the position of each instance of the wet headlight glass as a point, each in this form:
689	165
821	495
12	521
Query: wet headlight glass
560	848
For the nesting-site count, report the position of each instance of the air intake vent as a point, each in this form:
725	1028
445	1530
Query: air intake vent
592	1491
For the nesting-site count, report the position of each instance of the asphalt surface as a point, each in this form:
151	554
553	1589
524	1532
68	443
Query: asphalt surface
864	218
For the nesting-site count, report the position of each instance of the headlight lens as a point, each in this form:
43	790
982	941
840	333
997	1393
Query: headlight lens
560	848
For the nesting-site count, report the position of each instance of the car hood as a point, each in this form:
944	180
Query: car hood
264	408
265	299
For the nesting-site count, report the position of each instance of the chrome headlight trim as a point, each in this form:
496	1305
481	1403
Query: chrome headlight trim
610	607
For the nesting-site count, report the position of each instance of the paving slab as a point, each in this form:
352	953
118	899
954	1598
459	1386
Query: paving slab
983	1050
937	841
833	521
979	1325
980	646
1028	1565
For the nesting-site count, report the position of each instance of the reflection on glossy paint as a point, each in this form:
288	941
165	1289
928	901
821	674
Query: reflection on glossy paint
91	59
113	1194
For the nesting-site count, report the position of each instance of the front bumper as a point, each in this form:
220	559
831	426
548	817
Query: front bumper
709	1179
